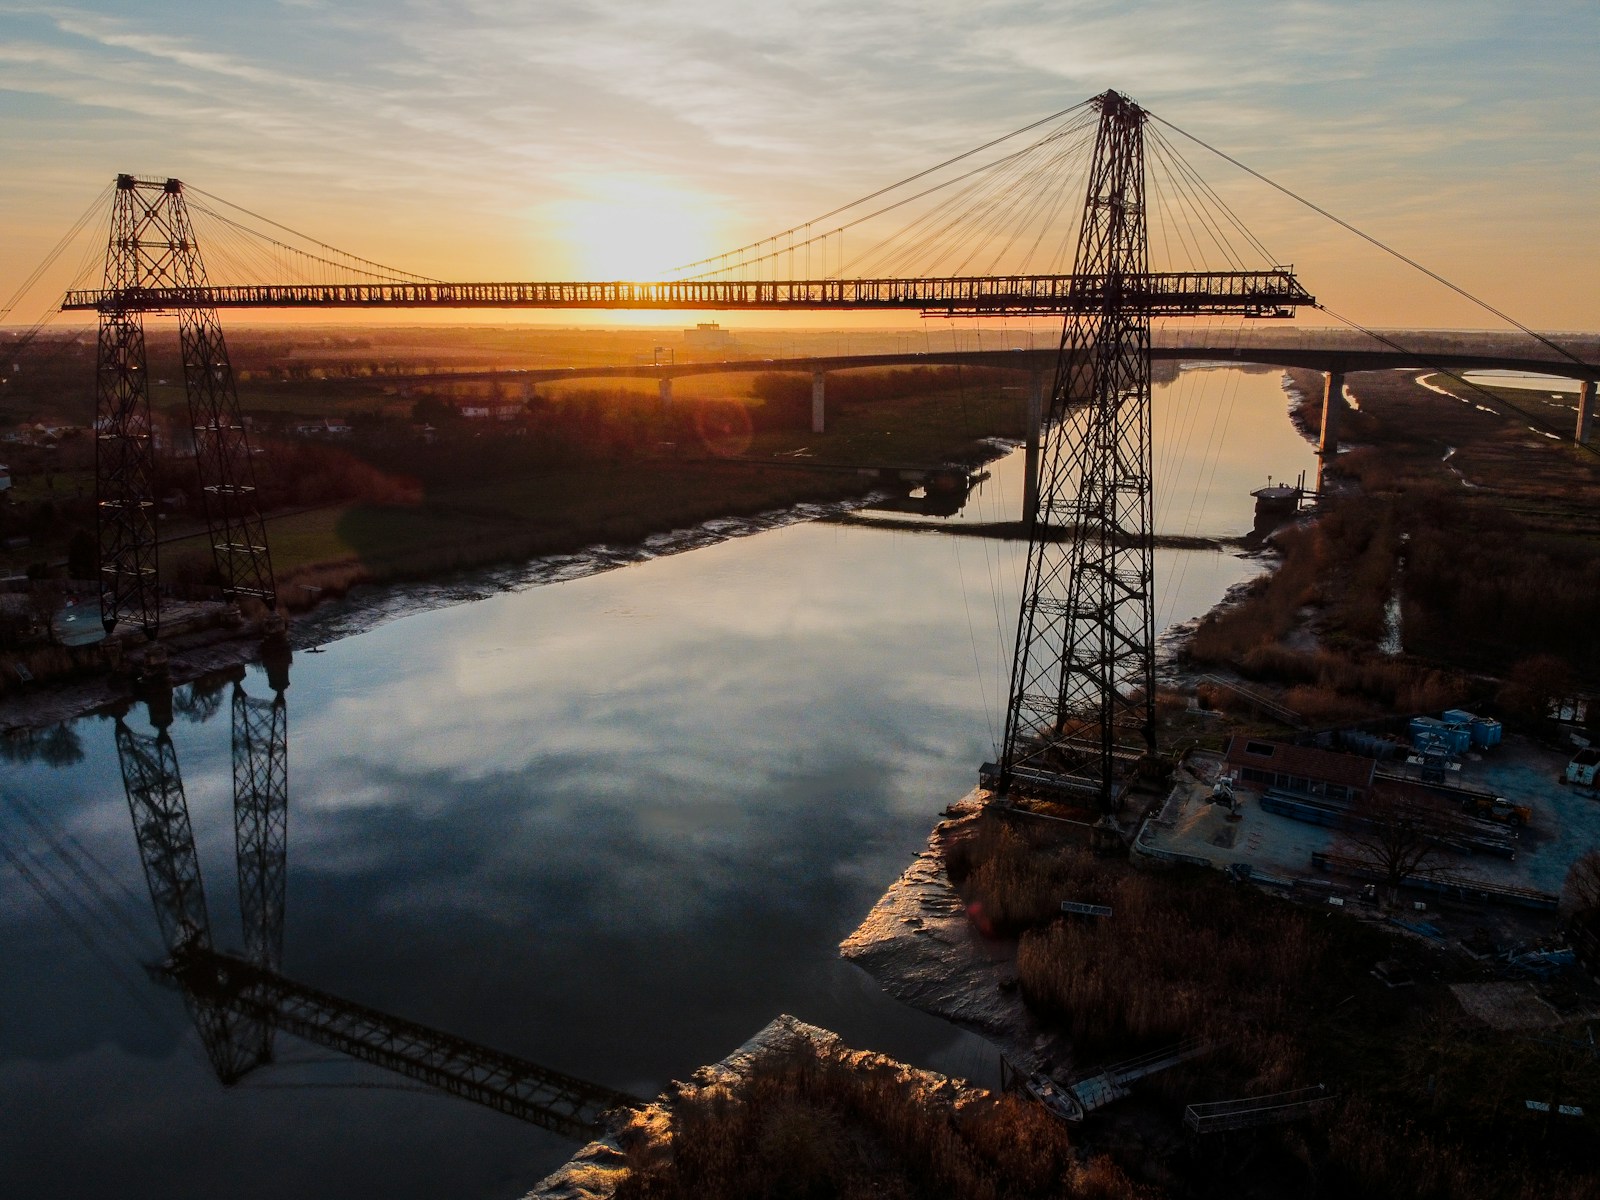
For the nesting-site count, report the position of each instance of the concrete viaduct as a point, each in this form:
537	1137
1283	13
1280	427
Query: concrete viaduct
1039	365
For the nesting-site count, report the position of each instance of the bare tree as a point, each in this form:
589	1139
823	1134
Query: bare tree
1535	685
1580	893
1399	835
46	598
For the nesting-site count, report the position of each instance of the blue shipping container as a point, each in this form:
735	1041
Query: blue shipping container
1457	739
1486	732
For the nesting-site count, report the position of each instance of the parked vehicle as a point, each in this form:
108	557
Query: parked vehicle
1497	808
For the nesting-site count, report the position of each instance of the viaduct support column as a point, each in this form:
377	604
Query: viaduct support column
1332	402
664	389
1030	468
818	384
1585	427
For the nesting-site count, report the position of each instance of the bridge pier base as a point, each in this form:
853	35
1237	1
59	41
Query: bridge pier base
664	390
1030	467
818	389
1332	403
1585	429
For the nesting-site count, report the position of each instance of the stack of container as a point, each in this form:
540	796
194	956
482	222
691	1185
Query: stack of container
1485	731
1454	737
1371	745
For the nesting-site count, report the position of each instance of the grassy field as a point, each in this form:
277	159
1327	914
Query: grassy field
1486	530
376	510
507	515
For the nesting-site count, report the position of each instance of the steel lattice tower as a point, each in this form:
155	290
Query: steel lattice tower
1083	679
152	246
124	457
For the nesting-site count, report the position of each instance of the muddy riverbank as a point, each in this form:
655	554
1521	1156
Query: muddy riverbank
206	651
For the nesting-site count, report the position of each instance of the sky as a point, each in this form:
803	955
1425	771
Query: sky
500	139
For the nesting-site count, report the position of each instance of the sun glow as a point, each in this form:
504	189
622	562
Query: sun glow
630	227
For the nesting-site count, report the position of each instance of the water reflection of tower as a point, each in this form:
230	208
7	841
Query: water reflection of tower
238	1002
236	1042
261	806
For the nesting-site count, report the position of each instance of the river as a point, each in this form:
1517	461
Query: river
612	824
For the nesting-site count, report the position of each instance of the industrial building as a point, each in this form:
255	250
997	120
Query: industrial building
1301	770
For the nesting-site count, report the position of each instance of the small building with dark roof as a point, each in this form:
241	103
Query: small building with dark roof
1301	770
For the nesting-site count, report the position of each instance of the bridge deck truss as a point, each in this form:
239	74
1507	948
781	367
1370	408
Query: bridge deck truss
1266	294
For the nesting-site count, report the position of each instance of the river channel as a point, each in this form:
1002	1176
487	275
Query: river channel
613	824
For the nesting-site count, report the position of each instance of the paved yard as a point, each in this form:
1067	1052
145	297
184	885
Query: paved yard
1566	822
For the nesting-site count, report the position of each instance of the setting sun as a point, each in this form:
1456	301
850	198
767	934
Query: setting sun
631	227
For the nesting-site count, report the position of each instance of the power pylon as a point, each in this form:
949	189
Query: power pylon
152	247
1082	702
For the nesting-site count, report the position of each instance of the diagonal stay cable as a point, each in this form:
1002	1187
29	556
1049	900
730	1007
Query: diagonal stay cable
1538	423
394	271
1384	246
54	903
838	230
923	174
56	251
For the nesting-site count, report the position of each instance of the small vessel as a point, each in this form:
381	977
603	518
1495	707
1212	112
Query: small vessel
1279	499
1057	1099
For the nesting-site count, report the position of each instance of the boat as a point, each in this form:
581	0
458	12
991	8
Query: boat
1058	1100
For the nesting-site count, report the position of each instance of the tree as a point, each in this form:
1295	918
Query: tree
59	746
83	556
46	598
1580	893
202	699
431	410
1401	835
1534	685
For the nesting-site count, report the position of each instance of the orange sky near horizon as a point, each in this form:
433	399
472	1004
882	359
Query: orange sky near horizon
607	142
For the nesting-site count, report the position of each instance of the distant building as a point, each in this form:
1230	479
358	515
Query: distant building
707	335
1302	770
491	410
167	436
323	427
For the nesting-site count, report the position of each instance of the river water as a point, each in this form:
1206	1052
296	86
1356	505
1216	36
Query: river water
612	824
